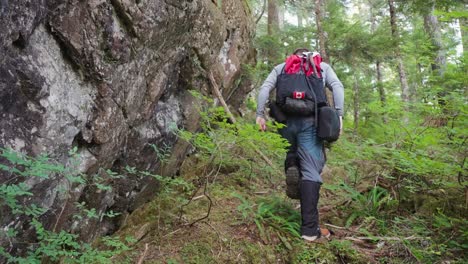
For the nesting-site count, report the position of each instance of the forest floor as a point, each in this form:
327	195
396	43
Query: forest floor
250	220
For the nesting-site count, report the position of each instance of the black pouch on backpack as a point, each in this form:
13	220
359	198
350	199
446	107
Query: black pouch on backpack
328	124
276	113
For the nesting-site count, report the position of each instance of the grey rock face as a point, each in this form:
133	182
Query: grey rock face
111	78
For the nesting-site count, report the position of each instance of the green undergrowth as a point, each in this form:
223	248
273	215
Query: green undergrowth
406	181
382	204
244	225
390	198
237	211
48	244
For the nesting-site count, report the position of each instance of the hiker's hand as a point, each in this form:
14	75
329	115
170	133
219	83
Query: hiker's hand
341	125
261	123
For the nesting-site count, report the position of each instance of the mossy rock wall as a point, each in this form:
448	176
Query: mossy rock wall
111	79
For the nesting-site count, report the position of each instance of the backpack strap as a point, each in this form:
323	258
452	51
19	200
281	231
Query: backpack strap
302	68
306	66
312	64
316	75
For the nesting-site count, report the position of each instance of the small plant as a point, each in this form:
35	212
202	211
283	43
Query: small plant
84	212
53	246
63	246
163	154
304	253
273	212
233	147
364	205
345	252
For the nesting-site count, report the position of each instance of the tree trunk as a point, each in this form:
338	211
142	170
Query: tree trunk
380	86
432	27
273	19
464	34
320	32
300	17
403	79
378	65
401	68
305	16
281	11
262	12
356	105
381	89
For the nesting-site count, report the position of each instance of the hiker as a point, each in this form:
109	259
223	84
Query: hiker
300	92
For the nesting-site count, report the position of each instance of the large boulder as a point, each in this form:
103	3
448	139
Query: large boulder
110	78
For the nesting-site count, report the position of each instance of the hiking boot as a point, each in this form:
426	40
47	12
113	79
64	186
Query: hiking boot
311	238
293	178
324	233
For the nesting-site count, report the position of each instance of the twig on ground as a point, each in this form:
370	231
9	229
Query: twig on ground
212	227
173	232
386	238
338	227
181	211
216	175
411	253
198	197
142	257
219	236
209	205
361	242
192	196
372	223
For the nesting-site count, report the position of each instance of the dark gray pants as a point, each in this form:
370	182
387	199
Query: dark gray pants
302	135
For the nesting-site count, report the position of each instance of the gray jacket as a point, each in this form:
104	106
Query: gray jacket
329	79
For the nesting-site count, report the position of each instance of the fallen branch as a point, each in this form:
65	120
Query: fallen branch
385	238
338	227
173	232
361	243
209	205
192	196
372	223
181	211
218	94
142	257
198	197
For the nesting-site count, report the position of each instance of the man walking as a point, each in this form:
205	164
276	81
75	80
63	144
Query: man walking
300	84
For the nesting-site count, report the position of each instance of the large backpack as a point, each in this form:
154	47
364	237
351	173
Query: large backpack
299	88
300	91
